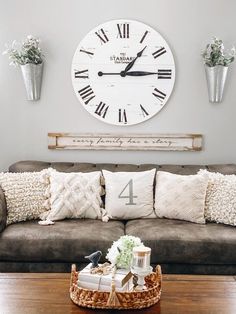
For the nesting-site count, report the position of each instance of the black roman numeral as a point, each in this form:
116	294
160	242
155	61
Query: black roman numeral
160	95
81	74
86	94
122	116
144	35
164	74
159	52
101	110
123	30
102	36
144	111
87	52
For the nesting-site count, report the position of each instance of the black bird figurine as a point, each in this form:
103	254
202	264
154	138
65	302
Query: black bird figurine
94	258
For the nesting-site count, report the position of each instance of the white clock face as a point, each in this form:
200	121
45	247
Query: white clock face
123	72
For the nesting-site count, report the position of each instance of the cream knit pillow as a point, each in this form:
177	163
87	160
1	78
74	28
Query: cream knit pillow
25	194
180	196
220	204
74	195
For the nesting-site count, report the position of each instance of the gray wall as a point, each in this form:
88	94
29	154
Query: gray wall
61	24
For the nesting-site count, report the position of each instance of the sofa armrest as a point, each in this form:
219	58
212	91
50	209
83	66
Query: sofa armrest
3	211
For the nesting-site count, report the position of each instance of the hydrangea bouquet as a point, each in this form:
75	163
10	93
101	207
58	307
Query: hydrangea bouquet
121	251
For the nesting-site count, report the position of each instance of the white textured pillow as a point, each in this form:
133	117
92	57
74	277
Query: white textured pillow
25	194
74	195
129	195
180	196
220	204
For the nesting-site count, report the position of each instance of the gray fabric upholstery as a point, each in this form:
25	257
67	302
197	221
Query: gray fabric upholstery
3	211
66	241
22	166
197	269
55	267
175	241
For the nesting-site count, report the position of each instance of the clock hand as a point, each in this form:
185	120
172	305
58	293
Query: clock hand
130	65
130	73
100	73
139	73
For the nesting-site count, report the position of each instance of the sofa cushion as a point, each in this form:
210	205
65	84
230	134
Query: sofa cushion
67	240
174	241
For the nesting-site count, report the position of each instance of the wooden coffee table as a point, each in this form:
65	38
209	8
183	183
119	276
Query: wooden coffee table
182	294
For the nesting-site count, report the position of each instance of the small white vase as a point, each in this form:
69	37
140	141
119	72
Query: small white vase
216	78
32	76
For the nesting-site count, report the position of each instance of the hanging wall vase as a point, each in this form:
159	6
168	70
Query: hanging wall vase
216	77
32	76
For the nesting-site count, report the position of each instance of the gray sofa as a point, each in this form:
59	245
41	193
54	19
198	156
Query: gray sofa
180	247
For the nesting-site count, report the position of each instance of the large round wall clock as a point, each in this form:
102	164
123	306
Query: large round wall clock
123	72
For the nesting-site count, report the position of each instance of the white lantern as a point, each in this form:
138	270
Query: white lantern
141	265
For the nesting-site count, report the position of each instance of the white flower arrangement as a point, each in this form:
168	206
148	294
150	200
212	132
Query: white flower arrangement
121	251
214	54
26	52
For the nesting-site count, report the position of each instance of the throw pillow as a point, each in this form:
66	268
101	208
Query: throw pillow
74	195
129	195
220	203
180	196
25	194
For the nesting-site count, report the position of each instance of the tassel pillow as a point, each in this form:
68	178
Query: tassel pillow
74	195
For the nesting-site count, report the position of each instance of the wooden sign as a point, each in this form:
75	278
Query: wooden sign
174	142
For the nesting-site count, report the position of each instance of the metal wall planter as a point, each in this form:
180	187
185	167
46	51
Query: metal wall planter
216	78
32	76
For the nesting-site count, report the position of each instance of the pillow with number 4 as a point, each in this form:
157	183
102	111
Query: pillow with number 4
129	195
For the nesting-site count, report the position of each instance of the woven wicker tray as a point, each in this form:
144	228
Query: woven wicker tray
123	300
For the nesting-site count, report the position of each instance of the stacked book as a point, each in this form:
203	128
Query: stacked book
123	280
